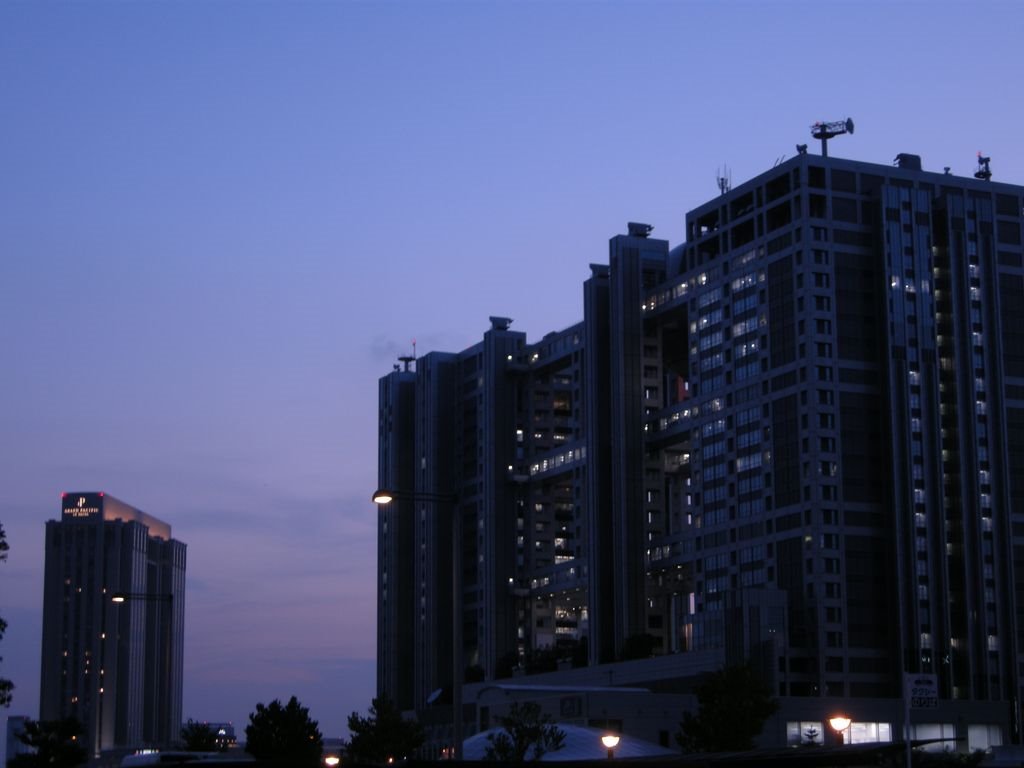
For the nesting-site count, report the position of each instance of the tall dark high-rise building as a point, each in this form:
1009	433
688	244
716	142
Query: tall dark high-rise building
796	439
113	623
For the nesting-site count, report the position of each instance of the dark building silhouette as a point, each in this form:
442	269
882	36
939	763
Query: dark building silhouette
795	439
115	666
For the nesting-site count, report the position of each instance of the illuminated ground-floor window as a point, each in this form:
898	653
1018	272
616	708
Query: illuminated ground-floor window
983	737
869	733
804	732
819	732
943	736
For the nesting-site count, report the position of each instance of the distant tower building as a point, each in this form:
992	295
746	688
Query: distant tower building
115	666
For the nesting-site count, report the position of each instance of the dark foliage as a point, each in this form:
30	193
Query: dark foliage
580	653
541	660
732	707
638	647
199	737
946	759
55	743
527	735
284	732
6	686
506	665
384	734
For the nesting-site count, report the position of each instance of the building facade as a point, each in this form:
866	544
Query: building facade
796	439
113	624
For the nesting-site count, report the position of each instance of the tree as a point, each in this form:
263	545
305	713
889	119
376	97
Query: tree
6	686
527	734
55	743
284	732
732	707
199	737
947	759
580	652
507	664
640	646
384	734
541	660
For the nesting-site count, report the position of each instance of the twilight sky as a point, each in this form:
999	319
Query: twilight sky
221	222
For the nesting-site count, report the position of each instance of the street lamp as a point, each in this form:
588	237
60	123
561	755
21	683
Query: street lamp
384	496
165	684
839	724
610	741
120	597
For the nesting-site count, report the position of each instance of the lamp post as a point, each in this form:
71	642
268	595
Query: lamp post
120	597
610	741
384	496
164	685
839	724
97	740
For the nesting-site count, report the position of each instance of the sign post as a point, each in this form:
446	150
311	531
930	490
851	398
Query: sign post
919	692
923	691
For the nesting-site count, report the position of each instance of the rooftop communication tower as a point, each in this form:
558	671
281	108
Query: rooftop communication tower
826	131
984	172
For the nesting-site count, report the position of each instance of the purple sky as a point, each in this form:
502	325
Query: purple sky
220	223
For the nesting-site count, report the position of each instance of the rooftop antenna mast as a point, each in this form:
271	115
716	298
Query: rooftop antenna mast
826	131
984	172
724	180
405	360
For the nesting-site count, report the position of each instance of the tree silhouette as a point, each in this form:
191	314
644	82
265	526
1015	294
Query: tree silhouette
284	732
732	706
55	743
6	686
527	735
384	734
640	646
199	737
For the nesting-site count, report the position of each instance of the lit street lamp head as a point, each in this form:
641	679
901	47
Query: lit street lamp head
839	722
610	741
382	496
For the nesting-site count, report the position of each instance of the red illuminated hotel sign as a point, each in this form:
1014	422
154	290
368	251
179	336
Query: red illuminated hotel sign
81	505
